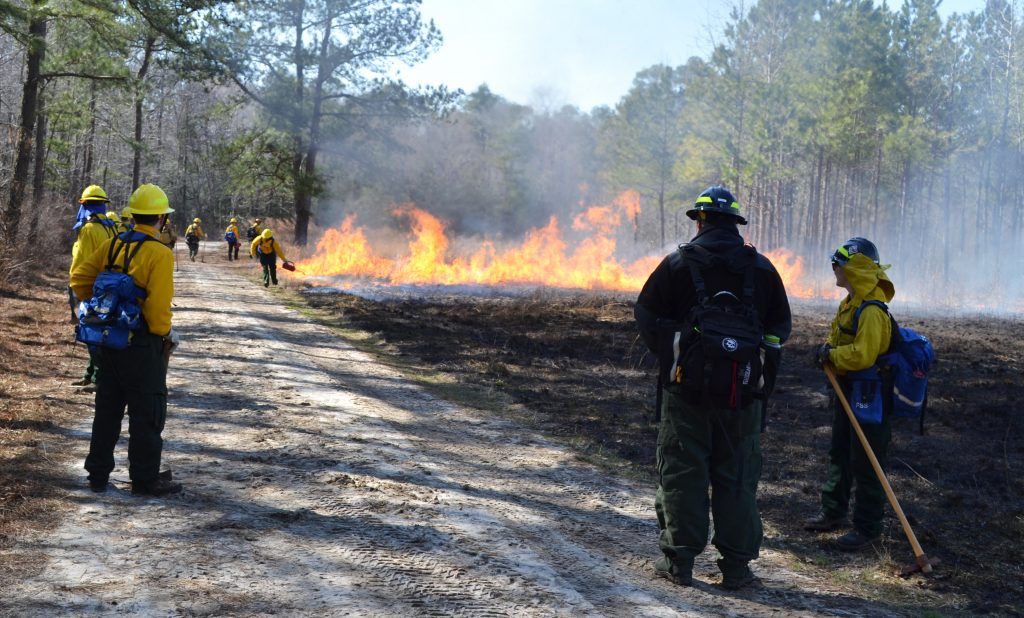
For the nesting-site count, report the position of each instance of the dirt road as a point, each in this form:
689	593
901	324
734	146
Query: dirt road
319	482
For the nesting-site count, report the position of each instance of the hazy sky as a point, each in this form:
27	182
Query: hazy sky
583	52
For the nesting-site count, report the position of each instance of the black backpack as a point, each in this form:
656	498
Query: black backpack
714	356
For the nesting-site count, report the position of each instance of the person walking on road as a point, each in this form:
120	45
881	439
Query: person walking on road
859	334
712	406
254	230
268	251
135	377
93	227
193	234
232	236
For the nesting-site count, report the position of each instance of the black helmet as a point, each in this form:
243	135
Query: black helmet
717	199
852	246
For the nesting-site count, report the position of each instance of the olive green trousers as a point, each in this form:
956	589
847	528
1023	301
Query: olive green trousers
702	448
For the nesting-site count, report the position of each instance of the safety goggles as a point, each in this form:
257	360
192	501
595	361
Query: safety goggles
840	257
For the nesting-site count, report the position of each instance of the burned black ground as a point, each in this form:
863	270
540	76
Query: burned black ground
575	363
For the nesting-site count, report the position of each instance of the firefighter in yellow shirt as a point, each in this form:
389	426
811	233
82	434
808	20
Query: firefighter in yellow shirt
135	377
232	236
193	234
268	250
254	230
127	222
93	229
167	235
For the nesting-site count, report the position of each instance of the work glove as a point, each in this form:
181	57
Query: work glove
821	355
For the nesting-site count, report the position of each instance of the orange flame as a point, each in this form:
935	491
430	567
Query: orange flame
791	268
345	250
543	258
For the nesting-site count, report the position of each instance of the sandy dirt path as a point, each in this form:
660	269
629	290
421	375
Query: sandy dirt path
319	482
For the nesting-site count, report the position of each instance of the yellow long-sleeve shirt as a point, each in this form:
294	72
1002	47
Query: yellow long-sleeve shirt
152	268
862	349
90	236
233	228
196	230
266	247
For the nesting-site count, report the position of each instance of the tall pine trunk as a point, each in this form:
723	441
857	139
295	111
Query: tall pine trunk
29	102
140	96
39	170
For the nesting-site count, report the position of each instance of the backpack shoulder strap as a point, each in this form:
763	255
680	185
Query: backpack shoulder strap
894	334
697	254
113	251
856	315
705	256
748	275
129	252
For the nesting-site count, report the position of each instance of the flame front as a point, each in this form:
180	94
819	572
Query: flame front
791	269
543	258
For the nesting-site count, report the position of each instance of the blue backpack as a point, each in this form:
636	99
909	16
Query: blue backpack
231	238
114	311
908	362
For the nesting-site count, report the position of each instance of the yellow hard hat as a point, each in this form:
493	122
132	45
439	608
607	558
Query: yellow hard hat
113	216
93	193
126	213
234	220
149	200
267	234
196	220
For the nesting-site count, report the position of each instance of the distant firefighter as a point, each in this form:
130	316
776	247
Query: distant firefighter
231	236
127	221
193	234
254	230
167	235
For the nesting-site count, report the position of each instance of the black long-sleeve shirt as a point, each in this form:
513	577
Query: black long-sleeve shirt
670	293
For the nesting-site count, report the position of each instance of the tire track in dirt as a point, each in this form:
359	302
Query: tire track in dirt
318	481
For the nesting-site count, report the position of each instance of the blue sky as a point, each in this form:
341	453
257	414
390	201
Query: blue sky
583	52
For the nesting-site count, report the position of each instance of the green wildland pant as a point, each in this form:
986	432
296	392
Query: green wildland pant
269	263
850	469
700	447
134	378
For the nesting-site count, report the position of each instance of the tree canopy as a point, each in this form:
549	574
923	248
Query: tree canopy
827	118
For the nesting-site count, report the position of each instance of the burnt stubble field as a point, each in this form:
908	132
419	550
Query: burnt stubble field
574	364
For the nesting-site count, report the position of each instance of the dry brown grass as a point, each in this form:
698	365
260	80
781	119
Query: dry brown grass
36	400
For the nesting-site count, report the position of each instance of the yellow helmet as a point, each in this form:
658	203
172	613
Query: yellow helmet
267	234
234	220
149	200
93	193
196	220
126	213
113	216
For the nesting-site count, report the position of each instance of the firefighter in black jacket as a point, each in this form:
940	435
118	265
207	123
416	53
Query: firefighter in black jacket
703	439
